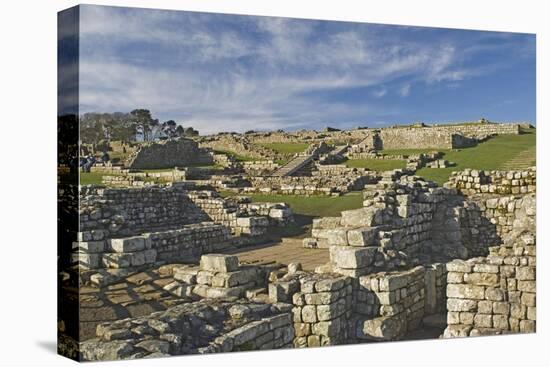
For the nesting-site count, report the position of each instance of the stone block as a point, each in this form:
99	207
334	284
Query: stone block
219	263
87	261
464	291
500	322
282	291
384	328
128	244
527	286
457	331
393	282
90	246
321	298
309	314
117	260
363	217
352	257
455	277
362	237
460	266
494	294
486	268
454	304
326	223
329	285
453	318
235	278
501	308
327	328
488	279
331	311
483	321
527	326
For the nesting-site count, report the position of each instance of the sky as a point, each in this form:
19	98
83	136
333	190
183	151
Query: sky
219	72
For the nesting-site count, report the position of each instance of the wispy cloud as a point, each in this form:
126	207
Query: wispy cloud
222	72
405	90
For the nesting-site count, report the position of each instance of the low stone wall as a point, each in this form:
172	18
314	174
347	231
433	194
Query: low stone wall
322	304
218	276
179	152
239	214
132	211
126	181
444	137
95	251
492	295
108	169
314	185
392	303
192	328
472	181
239	144
259	168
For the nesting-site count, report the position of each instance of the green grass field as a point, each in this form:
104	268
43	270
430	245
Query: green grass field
499	152
313	206
376	164
286	148
238	157
410	151
91	178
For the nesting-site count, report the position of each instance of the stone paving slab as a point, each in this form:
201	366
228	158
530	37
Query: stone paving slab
288	251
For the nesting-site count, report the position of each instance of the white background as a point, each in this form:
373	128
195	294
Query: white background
28	179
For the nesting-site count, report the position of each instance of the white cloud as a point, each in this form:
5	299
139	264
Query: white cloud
256	72
405	90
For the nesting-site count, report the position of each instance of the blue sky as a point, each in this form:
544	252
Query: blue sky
220	72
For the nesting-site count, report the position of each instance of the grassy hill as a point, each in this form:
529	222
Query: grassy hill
506	152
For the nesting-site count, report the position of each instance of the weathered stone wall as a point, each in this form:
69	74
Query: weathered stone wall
239	144
321	306
318	184
492	295
243	217
169	153
496	294
183	244
472	181
391	303
192	328
132	211
394	228
445	137
258	168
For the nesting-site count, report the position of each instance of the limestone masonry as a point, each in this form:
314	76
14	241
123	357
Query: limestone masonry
174	255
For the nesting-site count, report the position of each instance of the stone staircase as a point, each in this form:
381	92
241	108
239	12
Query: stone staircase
294	165
340	149
523	160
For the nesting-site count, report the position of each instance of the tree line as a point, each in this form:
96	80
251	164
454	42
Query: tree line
97	127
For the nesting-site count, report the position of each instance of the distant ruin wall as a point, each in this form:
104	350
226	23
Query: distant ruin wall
442	137
126	212
168	154
471	181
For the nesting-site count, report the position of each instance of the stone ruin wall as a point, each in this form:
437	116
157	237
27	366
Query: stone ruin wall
436	136
444	137
471	181
320	183
238	144
496	294
169	153
387	272
133	228
123	212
